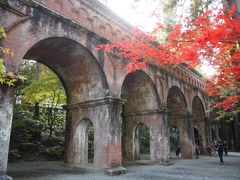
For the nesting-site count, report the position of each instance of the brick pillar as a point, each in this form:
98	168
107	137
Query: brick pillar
111	133
72	155
187	138
130	149
105	114
207	130
160	139
203	134
156	120
6	113
217	127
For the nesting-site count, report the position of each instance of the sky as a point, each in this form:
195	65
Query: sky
141	17
135	16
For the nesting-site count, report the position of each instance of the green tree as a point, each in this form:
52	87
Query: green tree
49	93
41	138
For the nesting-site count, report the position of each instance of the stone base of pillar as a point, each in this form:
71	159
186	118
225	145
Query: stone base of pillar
205	150
5	177
115	171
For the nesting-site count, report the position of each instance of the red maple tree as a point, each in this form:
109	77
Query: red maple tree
213	37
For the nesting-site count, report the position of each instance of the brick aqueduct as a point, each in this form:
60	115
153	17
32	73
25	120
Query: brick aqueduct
63	35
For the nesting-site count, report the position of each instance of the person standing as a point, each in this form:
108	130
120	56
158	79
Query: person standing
213	149
220	151
197	151
178	151
225	144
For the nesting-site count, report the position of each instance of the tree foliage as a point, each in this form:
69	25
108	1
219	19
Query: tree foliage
39	138
144	139
48	91
213	36
44	90
30	138
7	77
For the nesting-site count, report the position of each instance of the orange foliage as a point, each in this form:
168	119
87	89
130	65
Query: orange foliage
213	37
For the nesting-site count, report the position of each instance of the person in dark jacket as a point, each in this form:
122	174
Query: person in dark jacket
220	148
197	151
178	151
225	144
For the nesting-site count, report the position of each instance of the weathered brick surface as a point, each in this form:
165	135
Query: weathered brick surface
63	35
105	115
6	112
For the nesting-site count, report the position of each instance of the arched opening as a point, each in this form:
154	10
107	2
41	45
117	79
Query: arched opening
177	117
174	137
141	98
199	122
85	139
38	127
196	136
79	73
142	142
78	69
90	131
139	92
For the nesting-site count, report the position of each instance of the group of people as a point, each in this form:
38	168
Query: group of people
219	147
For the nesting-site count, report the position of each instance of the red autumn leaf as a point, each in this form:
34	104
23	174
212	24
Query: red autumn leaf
214	37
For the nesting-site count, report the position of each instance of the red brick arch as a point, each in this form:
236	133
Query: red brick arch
29	44
142	92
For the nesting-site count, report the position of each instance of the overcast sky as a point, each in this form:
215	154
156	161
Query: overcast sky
141	17
136	16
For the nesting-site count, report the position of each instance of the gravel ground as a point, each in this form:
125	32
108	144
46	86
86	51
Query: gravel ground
204	168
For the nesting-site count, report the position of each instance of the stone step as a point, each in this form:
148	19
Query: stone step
115	171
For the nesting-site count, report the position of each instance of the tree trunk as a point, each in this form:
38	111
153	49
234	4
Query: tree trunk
36	111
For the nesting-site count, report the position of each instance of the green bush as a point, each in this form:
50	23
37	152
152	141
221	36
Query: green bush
24	128
90	142
28	148
30	139
54	153
144	139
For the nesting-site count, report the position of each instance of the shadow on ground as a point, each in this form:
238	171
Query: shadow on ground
38	169
204	168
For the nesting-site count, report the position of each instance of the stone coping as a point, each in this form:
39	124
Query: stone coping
93	103
149	112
